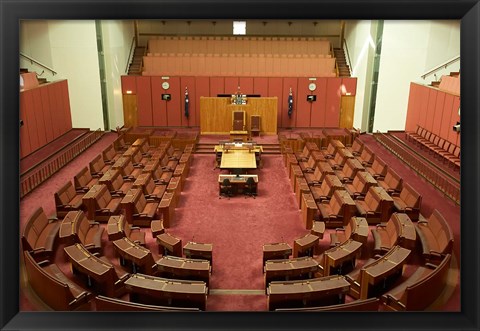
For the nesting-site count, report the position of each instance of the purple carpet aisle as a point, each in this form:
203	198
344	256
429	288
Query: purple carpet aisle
237	227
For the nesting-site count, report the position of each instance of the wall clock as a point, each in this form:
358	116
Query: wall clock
312	86
165	85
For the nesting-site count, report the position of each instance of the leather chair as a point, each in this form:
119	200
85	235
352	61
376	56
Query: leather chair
67	199
250	188
226	189
84	180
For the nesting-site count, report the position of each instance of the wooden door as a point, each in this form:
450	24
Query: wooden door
347	110
130	116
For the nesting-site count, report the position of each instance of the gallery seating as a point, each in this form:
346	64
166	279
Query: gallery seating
67	199
408	201
357	147
338	211
435	236
378	169
367	156
324	191
53	287
360	185
84	180
110	155
392	182
376	207
139	211
76	228
101	204
349	170
97	166
39	234
115	182
419	290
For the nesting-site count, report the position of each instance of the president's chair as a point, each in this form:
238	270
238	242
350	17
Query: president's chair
255	125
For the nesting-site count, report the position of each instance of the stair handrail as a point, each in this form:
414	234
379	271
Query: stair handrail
441	66
348	56
32	60
130	54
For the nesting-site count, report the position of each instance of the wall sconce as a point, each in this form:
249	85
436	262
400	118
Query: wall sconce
128	92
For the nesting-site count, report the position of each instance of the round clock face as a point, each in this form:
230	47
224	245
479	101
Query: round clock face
312	86
165	85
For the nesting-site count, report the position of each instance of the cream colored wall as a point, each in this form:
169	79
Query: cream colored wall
70	48
409	49
117	39
359	44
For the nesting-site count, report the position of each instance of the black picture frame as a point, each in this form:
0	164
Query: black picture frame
13	11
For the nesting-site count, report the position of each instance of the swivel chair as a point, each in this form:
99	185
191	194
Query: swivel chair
226	189
250	188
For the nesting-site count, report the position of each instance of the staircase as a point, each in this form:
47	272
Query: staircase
343	68
135	67
268	149
437	82
41	80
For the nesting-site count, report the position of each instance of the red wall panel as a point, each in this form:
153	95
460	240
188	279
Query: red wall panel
25	129
30	118
350	85
60	107
144	101
246	85
287	84
332	108
303	106
432	99
413	108
66	105
159	108
129	83
437	118
231	85
453	136
47	114
275	89
317	115
423	100
38	112
202	89
174	105
189	82
217	86
52	104
260	86
446	125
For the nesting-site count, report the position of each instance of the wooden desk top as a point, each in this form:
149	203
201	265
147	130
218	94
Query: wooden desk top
158	284
132	196
142	179
308	239
346	197
139	142
108	176
174	262
277	247
68	227
121	162
115	226
198	247
92	193
382	193
344	251
128	248
407	228
255	149
393	259
236	179
367	177
168	239
323	284
238	159
84	260
361	226
305	262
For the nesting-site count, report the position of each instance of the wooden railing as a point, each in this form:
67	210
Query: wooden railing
46	169
440	180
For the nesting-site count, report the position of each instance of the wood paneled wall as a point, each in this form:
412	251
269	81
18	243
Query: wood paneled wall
216	114
434	110
153	111
45	111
